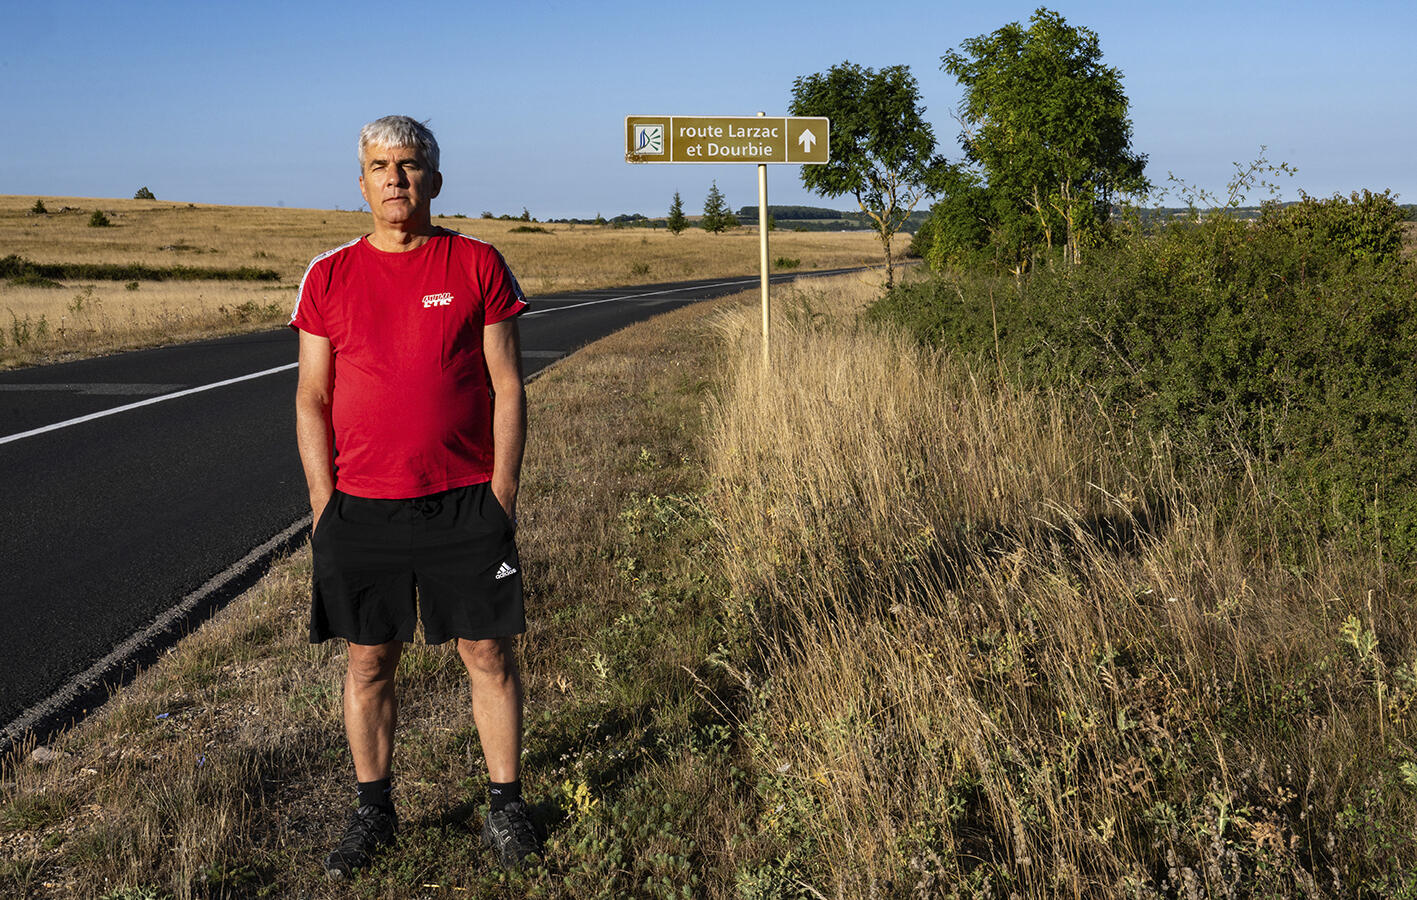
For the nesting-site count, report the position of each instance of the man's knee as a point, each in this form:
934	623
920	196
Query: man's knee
373	664
491	658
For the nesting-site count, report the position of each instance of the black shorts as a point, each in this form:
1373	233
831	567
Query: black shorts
457	548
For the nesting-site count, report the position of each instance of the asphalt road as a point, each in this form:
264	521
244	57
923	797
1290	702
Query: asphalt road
143	490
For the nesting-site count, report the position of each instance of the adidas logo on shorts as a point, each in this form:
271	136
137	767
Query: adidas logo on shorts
504	571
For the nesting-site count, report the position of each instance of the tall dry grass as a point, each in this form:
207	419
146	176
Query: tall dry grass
1002	647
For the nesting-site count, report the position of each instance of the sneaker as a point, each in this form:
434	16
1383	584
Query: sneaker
370	829
509	832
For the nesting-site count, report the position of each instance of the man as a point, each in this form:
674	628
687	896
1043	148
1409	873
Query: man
411	419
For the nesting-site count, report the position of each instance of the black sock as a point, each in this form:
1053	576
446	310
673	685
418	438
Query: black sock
376	793
501	794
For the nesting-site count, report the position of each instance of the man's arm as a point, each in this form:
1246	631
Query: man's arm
501	348
314	433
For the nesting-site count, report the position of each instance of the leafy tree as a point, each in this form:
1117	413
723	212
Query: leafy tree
677	221
144	194
882	149
1047	123
959	228
716	213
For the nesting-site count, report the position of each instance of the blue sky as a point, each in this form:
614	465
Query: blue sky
260	103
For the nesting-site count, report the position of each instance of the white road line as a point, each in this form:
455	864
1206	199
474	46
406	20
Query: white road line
697	287
207	387
149	402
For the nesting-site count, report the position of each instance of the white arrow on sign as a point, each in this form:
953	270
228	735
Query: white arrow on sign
807	140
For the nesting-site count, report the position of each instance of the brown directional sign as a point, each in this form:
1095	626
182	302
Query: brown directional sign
797	140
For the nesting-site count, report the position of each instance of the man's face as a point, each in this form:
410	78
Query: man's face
397	184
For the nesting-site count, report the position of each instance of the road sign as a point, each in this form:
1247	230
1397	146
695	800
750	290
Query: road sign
799	140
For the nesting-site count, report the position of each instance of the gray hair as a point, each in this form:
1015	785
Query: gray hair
399	131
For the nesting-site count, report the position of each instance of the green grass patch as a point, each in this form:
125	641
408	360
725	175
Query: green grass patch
18	269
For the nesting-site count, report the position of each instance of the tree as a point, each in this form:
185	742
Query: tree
715	211
882	149
143	194
1047	124
676	222
959	227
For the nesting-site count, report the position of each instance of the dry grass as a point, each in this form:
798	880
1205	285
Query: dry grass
158	233
1005	649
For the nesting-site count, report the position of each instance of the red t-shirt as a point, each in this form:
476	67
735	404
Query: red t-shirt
412	398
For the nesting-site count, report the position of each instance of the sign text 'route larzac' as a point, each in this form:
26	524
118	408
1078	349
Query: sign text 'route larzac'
727	139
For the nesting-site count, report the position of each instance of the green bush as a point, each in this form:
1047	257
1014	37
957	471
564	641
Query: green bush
1363	226
99	220
39	209
1292	341
22	271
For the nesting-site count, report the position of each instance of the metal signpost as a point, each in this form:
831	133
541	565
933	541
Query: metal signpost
761	140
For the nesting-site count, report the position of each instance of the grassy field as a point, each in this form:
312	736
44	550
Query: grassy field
89	316
886	629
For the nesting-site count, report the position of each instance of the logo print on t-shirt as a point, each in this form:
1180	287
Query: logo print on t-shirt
443	299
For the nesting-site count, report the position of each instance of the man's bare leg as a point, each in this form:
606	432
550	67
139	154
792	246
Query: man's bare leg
496	703
497	709
371	707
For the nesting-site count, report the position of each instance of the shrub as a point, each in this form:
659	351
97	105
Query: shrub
1363	226
39	208
21	270
529	229
143	194
1292	342
251	311
99	220
785	262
